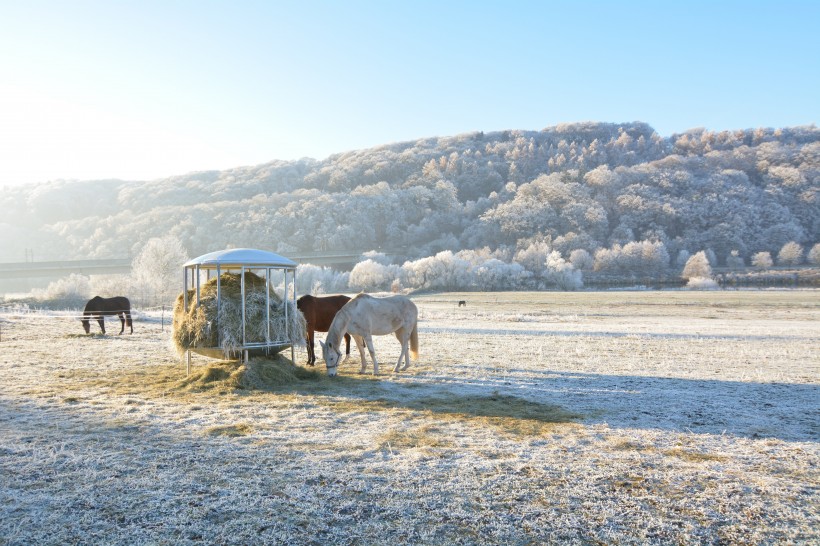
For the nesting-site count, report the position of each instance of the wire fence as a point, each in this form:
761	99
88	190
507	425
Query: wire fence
22	323
13	315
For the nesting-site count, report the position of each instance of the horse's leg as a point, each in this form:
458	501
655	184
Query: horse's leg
360	345
122	322
404	339
101	322
310	348
368	339
129	321
406	345
406	348
347	345
400	336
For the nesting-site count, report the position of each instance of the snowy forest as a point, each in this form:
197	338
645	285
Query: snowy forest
507	209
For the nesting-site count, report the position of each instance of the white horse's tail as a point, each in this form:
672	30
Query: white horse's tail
414	342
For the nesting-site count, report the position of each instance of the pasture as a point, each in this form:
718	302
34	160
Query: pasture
588	418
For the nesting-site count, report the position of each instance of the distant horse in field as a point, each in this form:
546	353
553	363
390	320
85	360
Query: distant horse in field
365	316
319	313
462	303
98	308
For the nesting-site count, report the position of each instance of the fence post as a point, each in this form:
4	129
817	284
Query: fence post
163	318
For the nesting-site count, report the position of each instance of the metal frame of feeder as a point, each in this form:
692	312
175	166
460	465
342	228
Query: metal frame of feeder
242	260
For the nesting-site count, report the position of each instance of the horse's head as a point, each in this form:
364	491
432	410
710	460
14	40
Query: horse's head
332	357
86	325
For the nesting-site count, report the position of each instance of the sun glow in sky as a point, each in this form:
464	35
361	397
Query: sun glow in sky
142	90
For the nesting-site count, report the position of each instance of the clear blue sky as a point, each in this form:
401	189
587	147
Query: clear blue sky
153	88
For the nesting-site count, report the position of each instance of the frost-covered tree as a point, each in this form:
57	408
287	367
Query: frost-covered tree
378	257
637	257
735	260
495	274
444	271
157	270
581	260
533	254
71	291
697	267
790	254
762	260
371	275
711	256
814	255
562	273
313	279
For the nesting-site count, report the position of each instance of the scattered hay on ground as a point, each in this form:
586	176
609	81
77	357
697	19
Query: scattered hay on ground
262	373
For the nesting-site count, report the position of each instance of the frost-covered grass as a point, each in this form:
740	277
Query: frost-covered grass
587	417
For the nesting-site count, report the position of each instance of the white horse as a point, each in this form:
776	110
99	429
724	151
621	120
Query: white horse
365	316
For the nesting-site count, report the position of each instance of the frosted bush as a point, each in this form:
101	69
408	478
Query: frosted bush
702	283
74	290
562	273
313	279
371	275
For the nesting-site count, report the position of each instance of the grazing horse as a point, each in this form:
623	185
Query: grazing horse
98	308
462	303
319	313
365	316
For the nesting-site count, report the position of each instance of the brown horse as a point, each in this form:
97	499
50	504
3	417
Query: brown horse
319	313
98	308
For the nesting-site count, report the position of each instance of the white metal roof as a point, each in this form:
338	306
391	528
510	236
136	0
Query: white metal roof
237	257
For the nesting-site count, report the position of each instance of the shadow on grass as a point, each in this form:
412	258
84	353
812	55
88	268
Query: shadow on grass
368	393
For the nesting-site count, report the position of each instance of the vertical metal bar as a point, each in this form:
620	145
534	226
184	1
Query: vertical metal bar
188	367
285	301
242	292
197	285
287	322
267	304
218	305
185	289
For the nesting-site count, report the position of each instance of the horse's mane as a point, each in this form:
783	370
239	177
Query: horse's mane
342	316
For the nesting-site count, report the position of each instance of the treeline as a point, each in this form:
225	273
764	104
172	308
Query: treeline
618	196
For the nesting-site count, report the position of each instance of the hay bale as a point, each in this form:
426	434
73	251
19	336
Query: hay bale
203	327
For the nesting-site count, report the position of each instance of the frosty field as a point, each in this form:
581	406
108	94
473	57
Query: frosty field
588	418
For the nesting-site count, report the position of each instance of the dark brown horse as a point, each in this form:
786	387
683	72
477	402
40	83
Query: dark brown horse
98	308
319	313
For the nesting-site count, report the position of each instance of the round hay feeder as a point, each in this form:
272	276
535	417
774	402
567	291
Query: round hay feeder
229	307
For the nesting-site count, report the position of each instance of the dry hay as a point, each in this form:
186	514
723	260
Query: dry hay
262	373
202	326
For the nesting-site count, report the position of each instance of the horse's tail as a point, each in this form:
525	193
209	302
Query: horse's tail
414	342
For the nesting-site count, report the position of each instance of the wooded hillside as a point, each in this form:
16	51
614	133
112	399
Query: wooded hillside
587	186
